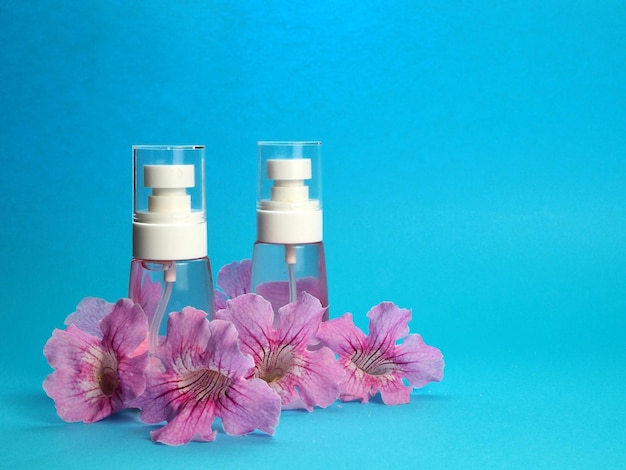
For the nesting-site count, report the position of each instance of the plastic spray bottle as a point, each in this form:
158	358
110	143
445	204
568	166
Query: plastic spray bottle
170	268
288	256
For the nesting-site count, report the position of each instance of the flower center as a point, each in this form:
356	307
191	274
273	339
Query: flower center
205	384
108	380
275	364
372	362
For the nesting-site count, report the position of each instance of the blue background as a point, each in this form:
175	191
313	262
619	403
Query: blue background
474	171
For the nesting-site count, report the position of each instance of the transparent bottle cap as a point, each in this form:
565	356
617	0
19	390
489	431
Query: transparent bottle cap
168	184
289	192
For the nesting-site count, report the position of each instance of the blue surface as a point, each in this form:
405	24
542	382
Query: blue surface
474	170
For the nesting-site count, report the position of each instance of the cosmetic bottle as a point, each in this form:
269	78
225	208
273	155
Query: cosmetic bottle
170	268
288	256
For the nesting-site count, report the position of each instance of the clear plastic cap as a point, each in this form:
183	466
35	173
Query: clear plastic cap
168	201
168	183
289	192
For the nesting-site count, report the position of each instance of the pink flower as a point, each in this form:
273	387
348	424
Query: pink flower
199	375
376	363
98	374
233	280
278	343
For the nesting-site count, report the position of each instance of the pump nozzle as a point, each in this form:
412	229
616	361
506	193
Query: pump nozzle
169	221
289	177
169	185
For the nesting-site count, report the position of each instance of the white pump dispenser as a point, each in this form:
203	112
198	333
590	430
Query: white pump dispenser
289	215
166	226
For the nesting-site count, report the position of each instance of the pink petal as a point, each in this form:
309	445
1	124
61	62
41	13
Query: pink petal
388	324
298	322
219	300
362	386
249	405
318	383
341	335
356	385
234	278
189	412
253	316
148	292
394	392
159	401
421	364
131	373
125	328
190	423
276	293
222	351
68	348
187	331
88	315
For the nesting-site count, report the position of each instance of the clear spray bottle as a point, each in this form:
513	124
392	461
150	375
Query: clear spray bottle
288	256
170	268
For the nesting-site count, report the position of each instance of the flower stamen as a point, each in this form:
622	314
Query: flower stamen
275	364
108	380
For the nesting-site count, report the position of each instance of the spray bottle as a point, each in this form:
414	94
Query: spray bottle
170	268
288	256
